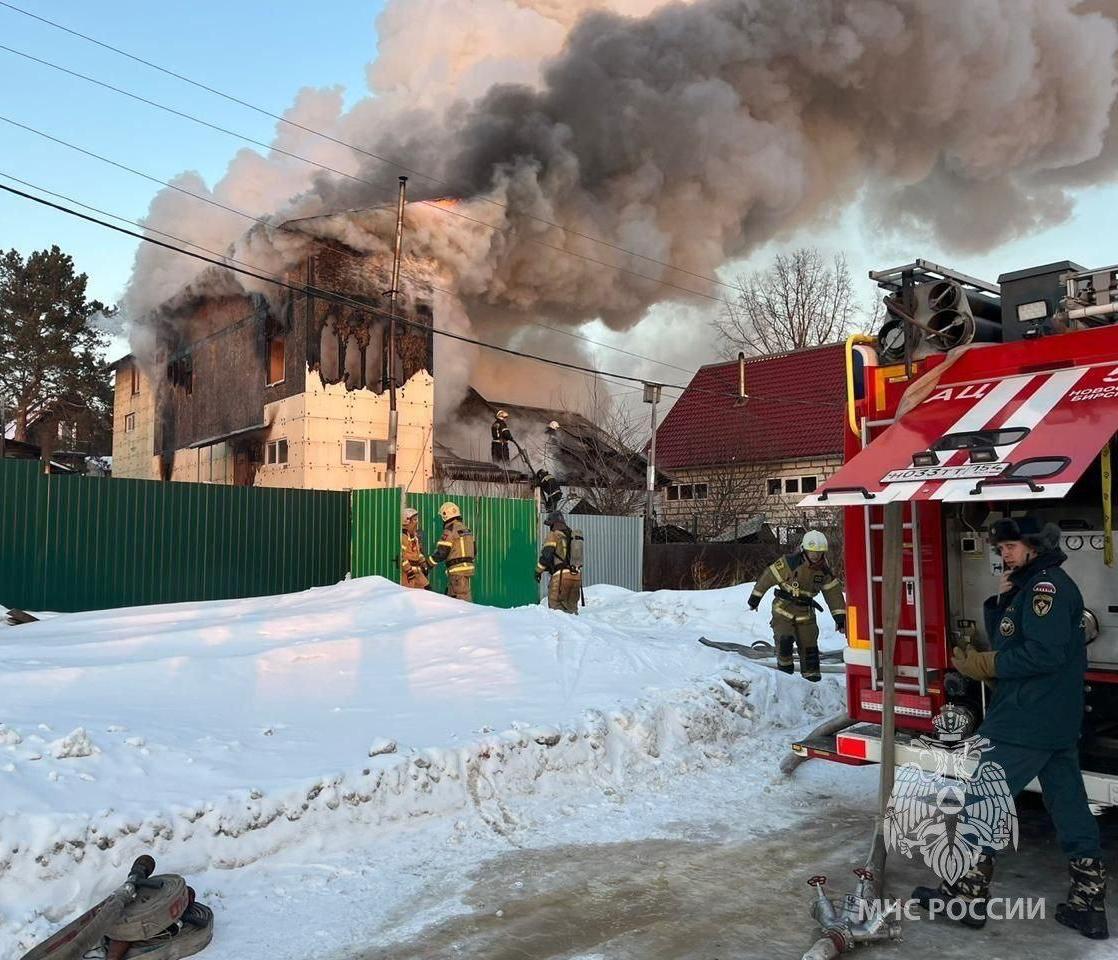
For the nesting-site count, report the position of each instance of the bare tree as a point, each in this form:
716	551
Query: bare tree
607	465
800	301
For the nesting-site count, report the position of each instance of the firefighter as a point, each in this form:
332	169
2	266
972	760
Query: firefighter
502	437
798	578
456	548
1033	722
561	558
413	561
550	491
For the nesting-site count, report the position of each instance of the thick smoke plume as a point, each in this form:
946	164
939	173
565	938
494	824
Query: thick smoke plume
690	133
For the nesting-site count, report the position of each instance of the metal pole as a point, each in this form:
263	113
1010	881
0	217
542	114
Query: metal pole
394	299
651	395
891	587
3	427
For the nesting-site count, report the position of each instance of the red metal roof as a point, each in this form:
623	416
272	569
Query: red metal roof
796	409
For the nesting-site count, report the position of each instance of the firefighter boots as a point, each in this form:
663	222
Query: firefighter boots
970	892
1085	910
784	662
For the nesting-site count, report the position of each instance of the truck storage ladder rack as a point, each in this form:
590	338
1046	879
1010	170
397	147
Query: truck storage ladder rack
874	582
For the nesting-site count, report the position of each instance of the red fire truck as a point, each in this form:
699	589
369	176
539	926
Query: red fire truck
976	401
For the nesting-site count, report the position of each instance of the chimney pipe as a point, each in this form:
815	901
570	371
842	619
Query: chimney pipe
741	375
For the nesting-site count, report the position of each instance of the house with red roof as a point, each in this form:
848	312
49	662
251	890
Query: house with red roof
748	438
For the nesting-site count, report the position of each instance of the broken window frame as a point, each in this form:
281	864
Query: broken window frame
269	361
129	422
134	372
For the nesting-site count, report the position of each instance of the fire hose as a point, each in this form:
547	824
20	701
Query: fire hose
147	918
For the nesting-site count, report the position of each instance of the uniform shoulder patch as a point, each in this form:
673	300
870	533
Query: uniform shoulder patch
1045	586
1042	604
1006	627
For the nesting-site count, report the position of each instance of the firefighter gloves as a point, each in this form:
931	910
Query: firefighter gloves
754	603
840	622
976	664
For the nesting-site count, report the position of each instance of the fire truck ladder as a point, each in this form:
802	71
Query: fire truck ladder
913	585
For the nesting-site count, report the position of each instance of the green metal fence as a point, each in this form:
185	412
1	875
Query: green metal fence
375	533
81	543
506	545
85	543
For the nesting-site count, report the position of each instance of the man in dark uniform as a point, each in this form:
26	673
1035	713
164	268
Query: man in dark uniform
1033	723
798	578
502	437
550	491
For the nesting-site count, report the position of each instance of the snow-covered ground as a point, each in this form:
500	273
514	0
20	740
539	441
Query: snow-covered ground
362	735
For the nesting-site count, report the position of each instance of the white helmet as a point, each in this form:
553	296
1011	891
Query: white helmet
410	513
448	511
553	426
502	414
814	542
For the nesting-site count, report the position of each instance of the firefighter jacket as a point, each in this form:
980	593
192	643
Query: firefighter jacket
502	437
797	583
412	558
550	493
456	549
1036	629
556	552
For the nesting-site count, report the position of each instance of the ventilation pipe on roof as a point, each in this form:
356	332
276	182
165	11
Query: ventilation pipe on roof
741	377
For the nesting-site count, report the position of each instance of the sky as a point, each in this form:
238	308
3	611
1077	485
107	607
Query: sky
266	52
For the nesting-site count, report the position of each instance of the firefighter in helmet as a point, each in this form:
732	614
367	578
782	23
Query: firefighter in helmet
502	437
561	557
550	491
798	578
413	561
456	548
1033	721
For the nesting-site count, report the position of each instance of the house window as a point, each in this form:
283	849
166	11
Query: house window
808	484
135	375
775	486
276	360
687	491
130	423
791	484
358	450
180	372
276	451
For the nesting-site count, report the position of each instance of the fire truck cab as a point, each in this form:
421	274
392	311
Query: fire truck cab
974	402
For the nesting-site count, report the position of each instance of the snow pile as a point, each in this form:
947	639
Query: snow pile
215	734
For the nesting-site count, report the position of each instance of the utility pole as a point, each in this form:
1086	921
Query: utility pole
651	395
394	299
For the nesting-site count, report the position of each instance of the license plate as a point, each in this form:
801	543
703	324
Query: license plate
965	471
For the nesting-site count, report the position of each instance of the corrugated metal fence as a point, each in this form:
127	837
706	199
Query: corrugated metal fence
506	545
613	549
81	543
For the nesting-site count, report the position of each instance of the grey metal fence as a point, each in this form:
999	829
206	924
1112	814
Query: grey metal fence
614	549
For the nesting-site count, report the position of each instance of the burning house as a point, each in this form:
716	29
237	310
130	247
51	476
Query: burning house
284	390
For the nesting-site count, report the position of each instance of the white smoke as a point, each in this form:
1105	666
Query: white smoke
690	133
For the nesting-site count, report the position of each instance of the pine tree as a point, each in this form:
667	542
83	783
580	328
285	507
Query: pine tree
51	356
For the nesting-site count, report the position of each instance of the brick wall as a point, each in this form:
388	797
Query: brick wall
736	493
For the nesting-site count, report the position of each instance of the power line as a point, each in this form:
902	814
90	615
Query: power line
325	136
321	293
349	176
331	295
264	222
